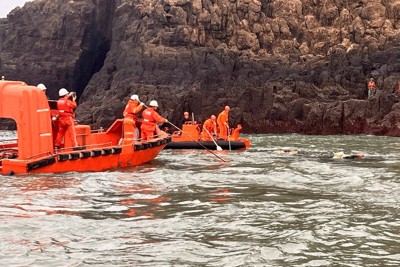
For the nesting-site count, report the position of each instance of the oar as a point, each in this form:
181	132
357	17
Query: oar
196	141
218	147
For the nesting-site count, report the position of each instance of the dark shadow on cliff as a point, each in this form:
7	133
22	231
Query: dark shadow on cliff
92	58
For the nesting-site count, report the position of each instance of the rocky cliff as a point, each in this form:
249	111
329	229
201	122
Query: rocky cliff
282	65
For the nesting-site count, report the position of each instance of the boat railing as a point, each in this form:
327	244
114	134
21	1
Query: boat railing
86	147
40	155
100	130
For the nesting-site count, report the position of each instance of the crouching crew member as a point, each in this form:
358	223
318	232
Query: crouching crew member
209	128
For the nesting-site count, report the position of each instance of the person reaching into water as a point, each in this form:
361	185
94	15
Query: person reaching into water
209	128
150	120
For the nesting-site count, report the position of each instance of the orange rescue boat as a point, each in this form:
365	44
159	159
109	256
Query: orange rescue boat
33	150
190	138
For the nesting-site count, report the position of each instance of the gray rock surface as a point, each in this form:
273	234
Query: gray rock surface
282	65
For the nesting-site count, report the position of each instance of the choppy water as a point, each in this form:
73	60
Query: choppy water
187	208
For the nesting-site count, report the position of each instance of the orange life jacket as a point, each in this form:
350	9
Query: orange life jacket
66	107
150	116
222	117
210	126
131	109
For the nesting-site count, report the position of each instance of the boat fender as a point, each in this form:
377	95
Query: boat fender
106	151
116	150
146	145
138	147
154	144
40	163
85	154
95	153
74	156
63	157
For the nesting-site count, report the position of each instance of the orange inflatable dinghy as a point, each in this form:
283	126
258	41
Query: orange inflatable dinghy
190	138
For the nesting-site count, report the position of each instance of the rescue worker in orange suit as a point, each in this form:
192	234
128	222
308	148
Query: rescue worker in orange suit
209	128
150	120
132	108
371	88
42	87
222	122
236	133
66	106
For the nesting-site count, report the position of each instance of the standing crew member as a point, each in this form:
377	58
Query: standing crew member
371	88
222	122
66	106
42	87
150	118
209	125
132	108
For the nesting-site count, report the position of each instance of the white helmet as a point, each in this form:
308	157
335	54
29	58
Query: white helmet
41	86
135	97
63	92
153	103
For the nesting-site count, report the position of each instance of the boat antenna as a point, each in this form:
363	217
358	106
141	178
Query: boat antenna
197	141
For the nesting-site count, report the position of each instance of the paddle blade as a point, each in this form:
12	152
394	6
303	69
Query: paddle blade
219	148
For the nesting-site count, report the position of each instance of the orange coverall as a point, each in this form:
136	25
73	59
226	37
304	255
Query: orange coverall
66	124
211	127
150	118
131	109
222	122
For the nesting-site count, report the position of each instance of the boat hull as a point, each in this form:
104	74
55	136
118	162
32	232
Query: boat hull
225	145
98	159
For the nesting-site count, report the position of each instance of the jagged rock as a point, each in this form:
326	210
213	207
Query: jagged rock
283	66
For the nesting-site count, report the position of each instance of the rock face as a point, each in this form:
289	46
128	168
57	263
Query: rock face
282	65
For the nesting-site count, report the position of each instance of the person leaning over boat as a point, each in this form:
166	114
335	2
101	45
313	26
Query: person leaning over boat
66	106
222	122
132	108
150	118
209	128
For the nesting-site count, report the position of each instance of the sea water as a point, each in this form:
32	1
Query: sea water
261	207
